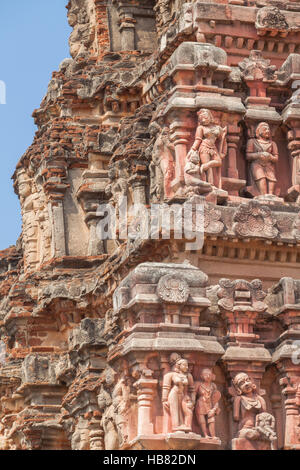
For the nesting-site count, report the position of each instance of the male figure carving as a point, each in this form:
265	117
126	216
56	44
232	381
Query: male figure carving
262	153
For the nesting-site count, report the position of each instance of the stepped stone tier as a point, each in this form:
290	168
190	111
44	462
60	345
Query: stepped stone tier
140	342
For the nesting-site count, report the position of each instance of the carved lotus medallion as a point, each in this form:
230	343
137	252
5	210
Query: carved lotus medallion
172	289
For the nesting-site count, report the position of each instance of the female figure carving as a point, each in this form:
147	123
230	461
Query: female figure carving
208	150
178	395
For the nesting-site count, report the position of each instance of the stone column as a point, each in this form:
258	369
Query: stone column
290	383
291	118
55	187
233	138
146	389
138	184
58	245
180	136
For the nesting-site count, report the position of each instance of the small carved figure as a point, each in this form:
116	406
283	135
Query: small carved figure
208	150
265	424
118	175
262	153
178	395
207	405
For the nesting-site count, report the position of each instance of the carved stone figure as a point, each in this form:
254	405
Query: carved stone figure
207	405
80	438
250	411
204	161
106	405
265	424
121	402
162	166
178	395
119	176
262	153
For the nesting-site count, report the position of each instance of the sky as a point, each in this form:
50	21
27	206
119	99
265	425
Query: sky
33	42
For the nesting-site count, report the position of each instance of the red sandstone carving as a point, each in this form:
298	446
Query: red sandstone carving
249	410
208	151
178	396
262	154
207	405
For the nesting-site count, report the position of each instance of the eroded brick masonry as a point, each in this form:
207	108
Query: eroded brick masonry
136	343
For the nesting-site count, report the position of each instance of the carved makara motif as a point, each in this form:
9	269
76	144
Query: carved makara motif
204	160
207	404
255	220
178	395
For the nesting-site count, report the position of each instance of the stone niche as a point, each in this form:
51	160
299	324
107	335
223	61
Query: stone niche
132	26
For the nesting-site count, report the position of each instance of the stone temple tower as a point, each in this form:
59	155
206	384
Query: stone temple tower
153	299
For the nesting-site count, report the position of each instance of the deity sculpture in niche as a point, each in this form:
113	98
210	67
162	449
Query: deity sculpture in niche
262	153
204	160
207	405
249	410
178	395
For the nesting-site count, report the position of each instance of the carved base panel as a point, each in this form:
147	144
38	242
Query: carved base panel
245	444
174	441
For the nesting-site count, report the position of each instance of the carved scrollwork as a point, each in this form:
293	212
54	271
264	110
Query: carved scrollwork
255	220
271	19
212	219
236	293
